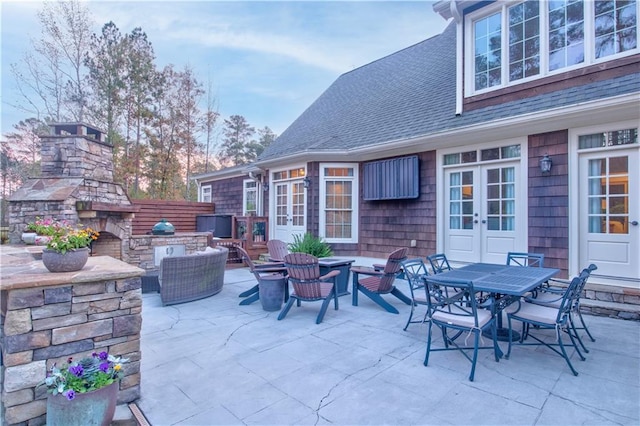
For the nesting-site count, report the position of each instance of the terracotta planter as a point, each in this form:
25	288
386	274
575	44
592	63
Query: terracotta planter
71	261
91	408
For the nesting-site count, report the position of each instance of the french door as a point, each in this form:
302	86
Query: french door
609	212
484	214
289	205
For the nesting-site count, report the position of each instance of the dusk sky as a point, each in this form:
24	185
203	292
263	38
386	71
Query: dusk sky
266	60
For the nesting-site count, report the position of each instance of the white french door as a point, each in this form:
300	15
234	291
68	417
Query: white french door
609	212
483	217
289	205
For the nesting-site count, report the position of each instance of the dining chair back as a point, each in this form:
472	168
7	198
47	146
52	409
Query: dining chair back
308	285
415	273
439	263
452	307
525	259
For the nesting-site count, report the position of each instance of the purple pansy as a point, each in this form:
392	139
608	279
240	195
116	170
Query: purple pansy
104	367
70	394
103	355
76	370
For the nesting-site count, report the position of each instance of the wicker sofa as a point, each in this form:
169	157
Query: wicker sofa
192	277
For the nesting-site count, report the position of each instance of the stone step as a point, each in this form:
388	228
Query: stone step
611	309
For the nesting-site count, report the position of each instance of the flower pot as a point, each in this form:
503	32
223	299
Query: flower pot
42	240
29	237
71	261
271	291
92	408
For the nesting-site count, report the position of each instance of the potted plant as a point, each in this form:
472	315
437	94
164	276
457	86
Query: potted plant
68	247
83	392
309	244
40	230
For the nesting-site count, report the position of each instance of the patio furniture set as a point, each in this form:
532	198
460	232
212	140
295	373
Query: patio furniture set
465	302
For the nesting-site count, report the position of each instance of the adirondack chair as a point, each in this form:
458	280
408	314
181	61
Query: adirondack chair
308	286
253	294
277	250
376	283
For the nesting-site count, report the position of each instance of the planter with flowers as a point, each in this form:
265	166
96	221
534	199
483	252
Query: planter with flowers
84	392
40	231
67	247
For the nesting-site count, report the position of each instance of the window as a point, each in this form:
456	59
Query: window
339	202
510	43
250	198
205	194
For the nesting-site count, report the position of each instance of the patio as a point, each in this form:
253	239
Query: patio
213	362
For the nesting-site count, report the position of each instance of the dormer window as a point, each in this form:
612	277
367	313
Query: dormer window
508	43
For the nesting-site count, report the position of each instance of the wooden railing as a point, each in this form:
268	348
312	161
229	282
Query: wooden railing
253	231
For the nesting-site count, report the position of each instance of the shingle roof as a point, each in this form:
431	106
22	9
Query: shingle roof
408	94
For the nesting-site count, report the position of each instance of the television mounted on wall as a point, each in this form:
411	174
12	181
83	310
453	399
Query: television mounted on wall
392	179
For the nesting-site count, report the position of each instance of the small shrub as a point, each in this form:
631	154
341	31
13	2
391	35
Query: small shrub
309	244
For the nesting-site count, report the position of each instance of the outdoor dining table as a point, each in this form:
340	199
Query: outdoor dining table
504	283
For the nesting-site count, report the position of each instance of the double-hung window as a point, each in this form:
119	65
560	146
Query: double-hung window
339	202
205	194
508	43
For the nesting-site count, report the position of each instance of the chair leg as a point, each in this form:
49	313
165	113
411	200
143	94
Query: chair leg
564	352
426	356
379	300
249	300
249	292
410	316
323	309
285	310
354	290
573	329
400	295
584	325
476	341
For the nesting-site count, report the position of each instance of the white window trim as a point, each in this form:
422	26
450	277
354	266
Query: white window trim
205	191
589	46
354	197
258	189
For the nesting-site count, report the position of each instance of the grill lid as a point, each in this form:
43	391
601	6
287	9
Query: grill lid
163	228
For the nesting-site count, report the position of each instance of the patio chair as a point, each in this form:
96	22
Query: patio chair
525	259
277	250
379	282
308	286
452	307
415	272
549	318
253	294
439	263
550	295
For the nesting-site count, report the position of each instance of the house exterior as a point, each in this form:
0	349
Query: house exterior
438	147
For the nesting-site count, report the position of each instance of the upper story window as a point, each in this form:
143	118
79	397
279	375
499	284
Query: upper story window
510	43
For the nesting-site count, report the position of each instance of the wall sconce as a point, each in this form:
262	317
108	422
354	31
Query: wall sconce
265	187
545	164
306	181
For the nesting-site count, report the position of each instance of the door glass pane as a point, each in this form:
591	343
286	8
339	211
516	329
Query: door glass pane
461	200
297	203
608	199
500	204
281	204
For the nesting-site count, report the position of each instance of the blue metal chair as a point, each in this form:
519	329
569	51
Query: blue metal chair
525	259
549	318
453	308
376	283
439	263
415	272
549	295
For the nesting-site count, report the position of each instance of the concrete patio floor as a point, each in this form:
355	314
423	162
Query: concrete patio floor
213	362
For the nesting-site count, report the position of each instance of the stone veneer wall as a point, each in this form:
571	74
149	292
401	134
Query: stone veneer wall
51	321
141	248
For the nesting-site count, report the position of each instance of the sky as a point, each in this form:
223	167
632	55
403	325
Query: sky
265	60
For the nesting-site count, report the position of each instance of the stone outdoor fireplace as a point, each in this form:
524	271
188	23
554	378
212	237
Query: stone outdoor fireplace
76	185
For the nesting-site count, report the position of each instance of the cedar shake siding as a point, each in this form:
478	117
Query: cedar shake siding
549	199
388	225
226	195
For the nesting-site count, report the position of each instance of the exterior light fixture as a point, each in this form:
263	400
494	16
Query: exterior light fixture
265	186
306	181
545	164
